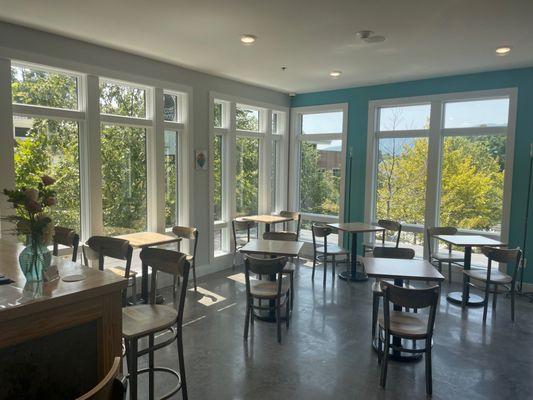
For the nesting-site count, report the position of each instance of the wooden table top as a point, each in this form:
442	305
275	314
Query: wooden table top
273	247
267	219
392	268
356	227
469	240
21	298
148	239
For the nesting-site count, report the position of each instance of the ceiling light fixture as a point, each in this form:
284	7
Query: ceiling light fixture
369	37
503	50
248	39
335	74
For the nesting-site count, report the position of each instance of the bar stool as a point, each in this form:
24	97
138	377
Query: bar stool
146	320
66	237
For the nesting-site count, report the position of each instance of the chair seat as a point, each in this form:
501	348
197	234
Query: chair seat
407	325
121	271
376	287
447	256
332	249
495	276
144	319
268	289
289	268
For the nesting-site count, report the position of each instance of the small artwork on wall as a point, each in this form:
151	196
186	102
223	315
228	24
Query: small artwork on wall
201	159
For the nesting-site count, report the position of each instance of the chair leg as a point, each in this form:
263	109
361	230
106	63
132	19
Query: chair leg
292	290
429	377
449	272
325	270
486	303
134	291
174	284
287	311
375	309
333	264
132	369
440	266
494	297
151	385
314	265
247	320
384	361
278	318
179	343
512	302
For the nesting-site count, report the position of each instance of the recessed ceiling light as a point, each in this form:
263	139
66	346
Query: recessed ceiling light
248	39
503	50
335	74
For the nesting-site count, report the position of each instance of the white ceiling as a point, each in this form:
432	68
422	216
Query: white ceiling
310	37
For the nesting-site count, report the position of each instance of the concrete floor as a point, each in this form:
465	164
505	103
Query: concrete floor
326	352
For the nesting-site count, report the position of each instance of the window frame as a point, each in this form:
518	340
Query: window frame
295	151
436	134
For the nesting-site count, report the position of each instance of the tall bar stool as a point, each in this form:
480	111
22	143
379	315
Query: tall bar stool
190	234
450	256
66	237
146	320
98	247
394	227
240	225
321	252
295	216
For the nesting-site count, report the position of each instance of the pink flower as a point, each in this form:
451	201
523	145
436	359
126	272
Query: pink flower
31	194
50	201
47	180
33	206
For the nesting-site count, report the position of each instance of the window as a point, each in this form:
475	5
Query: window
122	99
170	107
171	178
48	145
247	154
318	165
464	151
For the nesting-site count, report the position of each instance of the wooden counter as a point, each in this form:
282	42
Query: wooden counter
38	316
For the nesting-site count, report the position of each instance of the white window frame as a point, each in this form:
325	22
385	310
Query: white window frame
229	134
294	174
435	135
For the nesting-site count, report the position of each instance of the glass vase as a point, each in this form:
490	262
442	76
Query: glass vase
34	259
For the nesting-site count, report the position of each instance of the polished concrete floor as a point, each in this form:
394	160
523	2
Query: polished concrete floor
326	352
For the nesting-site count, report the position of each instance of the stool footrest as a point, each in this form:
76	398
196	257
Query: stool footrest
168	371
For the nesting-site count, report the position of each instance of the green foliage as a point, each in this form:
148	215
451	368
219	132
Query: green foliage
247	177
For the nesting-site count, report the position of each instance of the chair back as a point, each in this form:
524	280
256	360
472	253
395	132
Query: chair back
321	231
410	298
392	226
264	266
66	237
439	230
239	225
109	388
285	236
189	233
506	256
104	246
295	216
403	253
171	262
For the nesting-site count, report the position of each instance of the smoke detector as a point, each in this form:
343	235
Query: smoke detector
369	37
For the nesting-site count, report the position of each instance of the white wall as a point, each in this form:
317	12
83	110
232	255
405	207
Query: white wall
30	45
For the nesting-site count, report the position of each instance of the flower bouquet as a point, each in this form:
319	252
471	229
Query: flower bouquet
33	220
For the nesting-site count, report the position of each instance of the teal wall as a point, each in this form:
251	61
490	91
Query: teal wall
358	98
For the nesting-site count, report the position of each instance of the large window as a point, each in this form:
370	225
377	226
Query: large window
248	145
440	163
318	164
48	144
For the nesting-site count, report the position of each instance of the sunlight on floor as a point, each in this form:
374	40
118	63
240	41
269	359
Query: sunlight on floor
238	278
209	298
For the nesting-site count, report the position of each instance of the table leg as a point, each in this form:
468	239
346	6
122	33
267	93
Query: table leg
353	275
457	297
144	283
395	354
267	227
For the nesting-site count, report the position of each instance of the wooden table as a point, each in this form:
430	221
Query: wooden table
276	248
354	228
267	220
142	240
400	270
467	241
66	333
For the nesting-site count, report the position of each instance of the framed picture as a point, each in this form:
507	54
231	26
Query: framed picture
201	159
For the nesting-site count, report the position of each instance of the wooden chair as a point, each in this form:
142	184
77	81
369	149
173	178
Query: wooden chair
450	256
112	387
99	247
276	290
385	252
393	227
321	252
66	237
496	278
190	234
295	216
290	267
147	320
240	225
406	325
